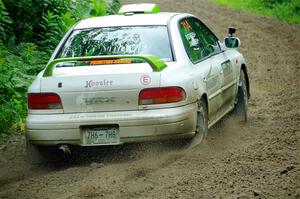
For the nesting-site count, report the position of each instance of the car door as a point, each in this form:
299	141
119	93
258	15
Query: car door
228	80
223	63
201	50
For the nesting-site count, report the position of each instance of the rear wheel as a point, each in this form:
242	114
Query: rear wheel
201	125
241	106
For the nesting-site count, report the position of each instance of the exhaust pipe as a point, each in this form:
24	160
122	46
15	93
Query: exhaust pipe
65	149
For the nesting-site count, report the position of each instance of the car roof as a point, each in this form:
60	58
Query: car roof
161	18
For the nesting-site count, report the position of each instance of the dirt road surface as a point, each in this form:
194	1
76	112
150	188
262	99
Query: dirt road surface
256	160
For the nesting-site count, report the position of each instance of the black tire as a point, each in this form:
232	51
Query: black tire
240	110
201	125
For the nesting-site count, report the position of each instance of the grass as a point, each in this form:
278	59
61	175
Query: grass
286	10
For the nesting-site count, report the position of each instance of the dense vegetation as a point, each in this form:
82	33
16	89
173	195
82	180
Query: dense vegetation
287	10
29	32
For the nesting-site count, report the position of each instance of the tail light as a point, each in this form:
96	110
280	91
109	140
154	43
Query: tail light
161	95
44	101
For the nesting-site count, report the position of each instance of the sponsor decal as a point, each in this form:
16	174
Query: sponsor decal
99	100
186	25
100	116
191	38
110	61
100	83
145	79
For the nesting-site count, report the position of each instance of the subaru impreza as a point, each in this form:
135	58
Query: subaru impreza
136	76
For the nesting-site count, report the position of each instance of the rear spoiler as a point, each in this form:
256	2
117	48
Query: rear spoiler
156	64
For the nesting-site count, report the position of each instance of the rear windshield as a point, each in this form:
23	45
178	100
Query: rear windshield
140	40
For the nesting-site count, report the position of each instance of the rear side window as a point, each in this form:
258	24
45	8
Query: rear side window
140	40
198	40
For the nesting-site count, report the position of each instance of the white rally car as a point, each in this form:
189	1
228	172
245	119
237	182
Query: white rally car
137	76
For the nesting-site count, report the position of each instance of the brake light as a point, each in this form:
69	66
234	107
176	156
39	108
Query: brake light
44	101
161	95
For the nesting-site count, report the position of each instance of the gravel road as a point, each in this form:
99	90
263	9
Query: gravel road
257	160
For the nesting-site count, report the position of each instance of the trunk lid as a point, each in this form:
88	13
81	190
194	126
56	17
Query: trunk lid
100	88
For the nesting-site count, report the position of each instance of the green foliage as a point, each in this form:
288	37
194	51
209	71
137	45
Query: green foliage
113	7
272	3
32	18
98	8
29	32
54	25
19	65
51	30
27	14
5	22
287	10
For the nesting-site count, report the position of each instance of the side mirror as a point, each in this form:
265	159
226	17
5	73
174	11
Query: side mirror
232	42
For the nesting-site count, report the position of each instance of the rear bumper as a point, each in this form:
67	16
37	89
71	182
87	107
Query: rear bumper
134	126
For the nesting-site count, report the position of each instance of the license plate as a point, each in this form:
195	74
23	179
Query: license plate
100	136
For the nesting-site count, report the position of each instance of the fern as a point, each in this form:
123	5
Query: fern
51	31
5	22
66	22
99	8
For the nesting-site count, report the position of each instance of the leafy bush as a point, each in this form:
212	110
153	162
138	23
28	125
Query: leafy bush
26	15
54	25
53	28
19	66
5	22
32	20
